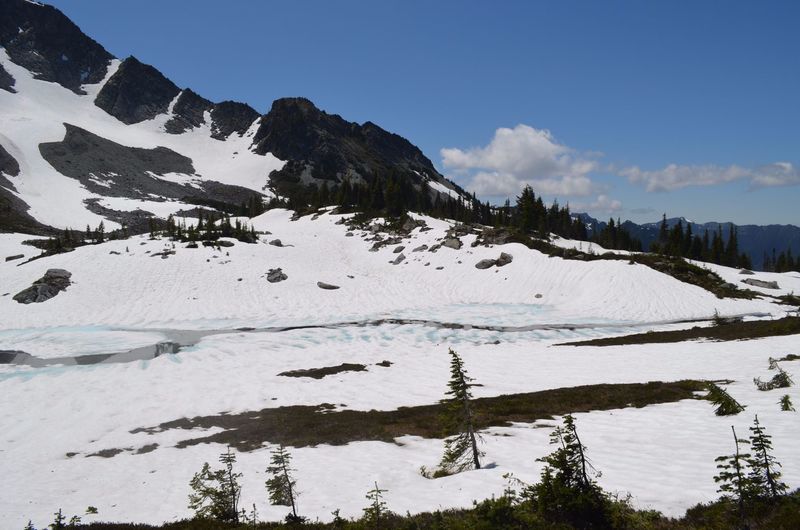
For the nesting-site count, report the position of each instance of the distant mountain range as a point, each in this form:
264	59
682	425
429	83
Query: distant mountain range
755	240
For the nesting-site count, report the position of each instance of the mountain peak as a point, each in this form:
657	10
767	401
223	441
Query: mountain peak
43	40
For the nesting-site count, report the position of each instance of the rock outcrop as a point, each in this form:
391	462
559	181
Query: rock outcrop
53	282
761	283
276	275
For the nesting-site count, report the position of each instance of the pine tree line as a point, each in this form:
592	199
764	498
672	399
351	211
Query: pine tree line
709	247
783	262
209	228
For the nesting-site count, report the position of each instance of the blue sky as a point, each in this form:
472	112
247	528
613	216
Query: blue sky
628	108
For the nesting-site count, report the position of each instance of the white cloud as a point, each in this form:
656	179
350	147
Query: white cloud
519	156
674	176
777	174
603	204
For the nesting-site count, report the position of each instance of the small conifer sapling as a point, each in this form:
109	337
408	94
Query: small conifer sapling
764	473
461	450
281	484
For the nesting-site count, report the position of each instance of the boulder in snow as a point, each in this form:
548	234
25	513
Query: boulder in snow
53	282
276	275
485	264
761	283
452	242
327	286
504	259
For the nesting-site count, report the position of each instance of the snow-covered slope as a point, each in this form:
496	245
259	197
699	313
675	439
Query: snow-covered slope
123	297
36	114
206	288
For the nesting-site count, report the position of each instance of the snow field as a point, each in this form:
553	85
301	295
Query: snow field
133	299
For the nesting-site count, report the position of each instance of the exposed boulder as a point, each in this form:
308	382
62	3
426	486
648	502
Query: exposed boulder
276	243
14	257
504	259
276	275
452	242
398	260
53	282
746	272
420	248
399	249
761	283
327	286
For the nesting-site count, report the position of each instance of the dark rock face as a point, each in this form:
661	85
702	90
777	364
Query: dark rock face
8	164
43	40
231	117
227	117
136	92
188	112
115	170
7	81
318	146
53	282
13	210
82	155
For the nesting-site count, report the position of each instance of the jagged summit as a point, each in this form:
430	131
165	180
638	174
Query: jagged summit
46	42
322	146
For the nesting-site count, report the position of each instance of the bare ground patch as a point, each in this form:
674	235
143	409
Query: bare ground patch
731	331
301	425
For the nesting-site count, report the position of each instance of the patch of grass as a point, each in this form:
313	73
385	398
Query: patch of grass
300	426
731	331
319	373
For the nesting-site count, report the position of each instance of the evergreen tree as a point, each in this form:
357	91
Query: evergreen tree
58	521
566	492
663	234
216	493
732	478
377	510
786	403
764	473
29	526
725	404
461	450
281	485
